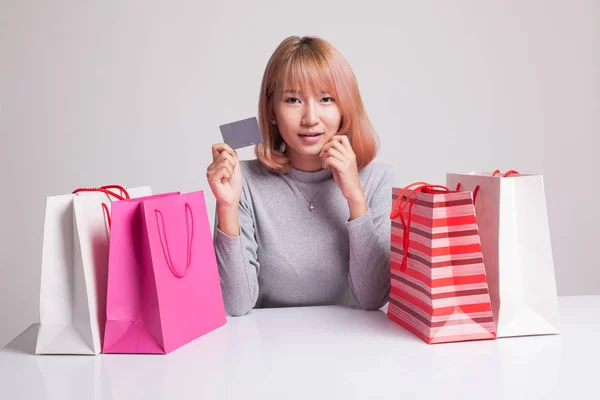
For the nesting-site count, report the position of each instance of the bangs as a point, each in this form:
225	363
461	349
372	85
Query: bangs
307	71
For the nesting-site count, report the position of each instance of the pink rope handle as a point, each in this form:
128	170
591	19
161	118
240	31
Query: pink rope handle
189	222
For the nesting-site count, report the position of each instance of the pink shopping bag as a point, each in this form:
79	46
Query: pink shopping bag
163	283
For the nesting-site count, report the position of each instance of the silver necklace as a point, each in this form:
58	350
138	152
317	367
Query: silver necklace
311	206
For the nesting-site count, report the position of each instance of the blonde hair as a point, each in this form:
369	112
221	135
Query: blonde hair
310	62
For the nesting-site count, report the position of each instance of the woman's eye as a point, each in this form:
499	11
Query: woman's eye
328	99
292	100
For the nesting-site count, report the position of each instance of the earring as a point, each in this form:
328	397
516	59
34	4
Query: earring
274	122
282	147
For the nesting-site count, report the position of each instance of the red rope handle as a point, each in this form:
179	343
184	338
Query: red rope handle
458	186
105	190
431	189
495	173
511	172
105	210
394	213
123	191
475	194
405	239
398	210
508	173
102	190
401	203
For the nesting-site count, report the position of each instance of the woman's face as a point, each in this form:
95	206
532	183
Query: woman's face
306	121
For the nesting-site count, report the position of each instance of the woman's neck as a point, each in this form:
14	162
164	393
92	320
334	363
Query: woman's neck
306	163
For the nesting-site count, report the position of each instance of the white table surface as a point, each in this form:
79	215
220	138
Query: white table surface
323	353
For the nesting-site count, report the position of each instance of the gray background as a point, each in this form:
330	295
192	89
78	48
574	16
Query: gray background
133	92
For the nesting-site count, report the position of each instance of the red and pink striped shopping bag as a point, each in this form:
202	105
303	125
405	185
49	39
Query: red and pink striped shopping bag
439	286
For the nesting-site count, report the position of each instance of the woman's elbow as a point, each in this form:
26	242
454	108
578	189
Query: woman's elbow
238	307
374	303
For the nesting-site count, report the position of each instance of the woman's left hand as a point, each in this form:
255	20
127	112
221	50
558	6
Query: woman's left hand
339	156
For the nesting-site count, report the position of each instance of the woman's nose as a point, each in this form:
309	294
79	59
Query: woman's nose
311	116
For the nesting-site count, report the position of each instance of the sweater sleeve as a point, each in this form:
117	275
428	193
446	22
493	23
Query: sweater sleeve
238	261
369	235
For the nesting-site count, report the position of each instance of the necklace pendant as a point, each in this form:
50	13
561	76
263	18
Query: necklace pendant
311	207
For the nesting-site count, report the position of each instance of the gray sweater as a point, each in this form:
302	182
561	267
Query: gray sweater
287	255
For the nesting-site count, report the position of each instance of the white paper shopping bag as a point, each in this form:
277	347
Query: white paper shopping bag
74	272
517	251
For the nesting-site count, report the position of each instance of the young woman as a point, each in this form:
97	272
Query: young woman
306	223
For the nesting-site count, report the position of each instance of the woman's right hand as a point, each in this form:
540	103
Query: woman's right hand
225	176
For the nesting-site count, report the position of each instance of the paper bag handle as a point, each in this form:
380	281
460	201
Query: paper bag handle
105	190
398	210
124	191
101	190
495	173
475	191
396	206
507	173
189	222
